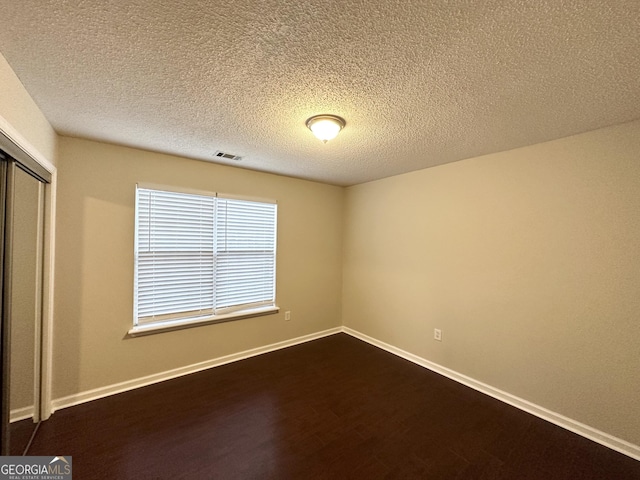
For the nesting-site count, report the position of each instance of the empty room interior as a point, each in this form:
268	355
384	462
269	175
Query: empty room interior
199	281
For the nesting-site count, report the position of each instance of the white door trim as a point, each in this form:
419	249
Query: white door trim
10	137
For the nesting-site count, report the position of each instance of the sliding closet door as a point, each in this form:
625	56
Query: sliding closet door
22	257
26	306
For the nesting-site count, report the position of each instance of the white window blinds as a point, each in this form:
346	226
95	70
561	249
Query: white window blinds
245	254
199	255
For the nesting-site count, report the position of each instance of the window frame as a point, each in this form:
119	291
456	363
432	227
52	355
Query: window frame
146	328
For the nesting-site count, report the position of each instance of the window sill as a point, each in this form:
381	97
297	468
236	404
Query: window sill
168	326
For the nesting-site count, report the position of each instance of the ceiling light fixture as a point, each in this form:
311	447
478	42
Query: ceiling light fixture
326	127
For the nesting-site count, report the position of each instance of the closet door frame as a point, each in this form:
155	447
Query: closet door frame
5	332
14	144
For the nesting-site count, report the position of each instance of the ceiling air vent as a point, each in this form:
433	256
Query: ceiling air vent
227	156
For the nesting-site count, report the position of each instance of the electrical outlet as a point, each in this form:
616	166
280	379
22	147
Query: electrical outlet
437	334
287	316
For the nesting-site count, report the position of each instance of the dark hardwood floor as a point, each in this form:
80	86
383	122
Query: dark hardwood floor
20	434
334	408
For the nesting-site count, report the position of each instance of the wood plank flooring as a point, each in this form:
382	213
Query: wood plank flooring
20	434
334	408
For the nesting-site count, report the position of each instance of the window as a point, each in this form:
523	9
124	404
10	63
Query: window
201	258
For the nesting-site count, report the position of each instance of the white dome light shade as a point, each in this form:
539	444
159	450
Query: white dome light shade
326	127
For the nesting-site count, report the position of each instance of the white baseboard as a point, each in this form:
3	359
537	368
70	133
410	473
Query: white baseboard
108	390
586	431
574	426
18	414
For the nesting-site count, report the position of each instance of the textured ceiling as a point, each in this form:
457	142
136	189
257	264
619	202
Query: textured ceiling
419	83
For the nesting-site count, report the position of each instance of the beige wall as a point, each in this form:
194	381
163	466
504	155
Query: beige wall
21	112
94	275
529	262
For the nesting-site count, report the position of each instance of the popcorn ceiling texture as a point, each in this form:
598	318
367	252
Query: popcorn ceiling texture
419	83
